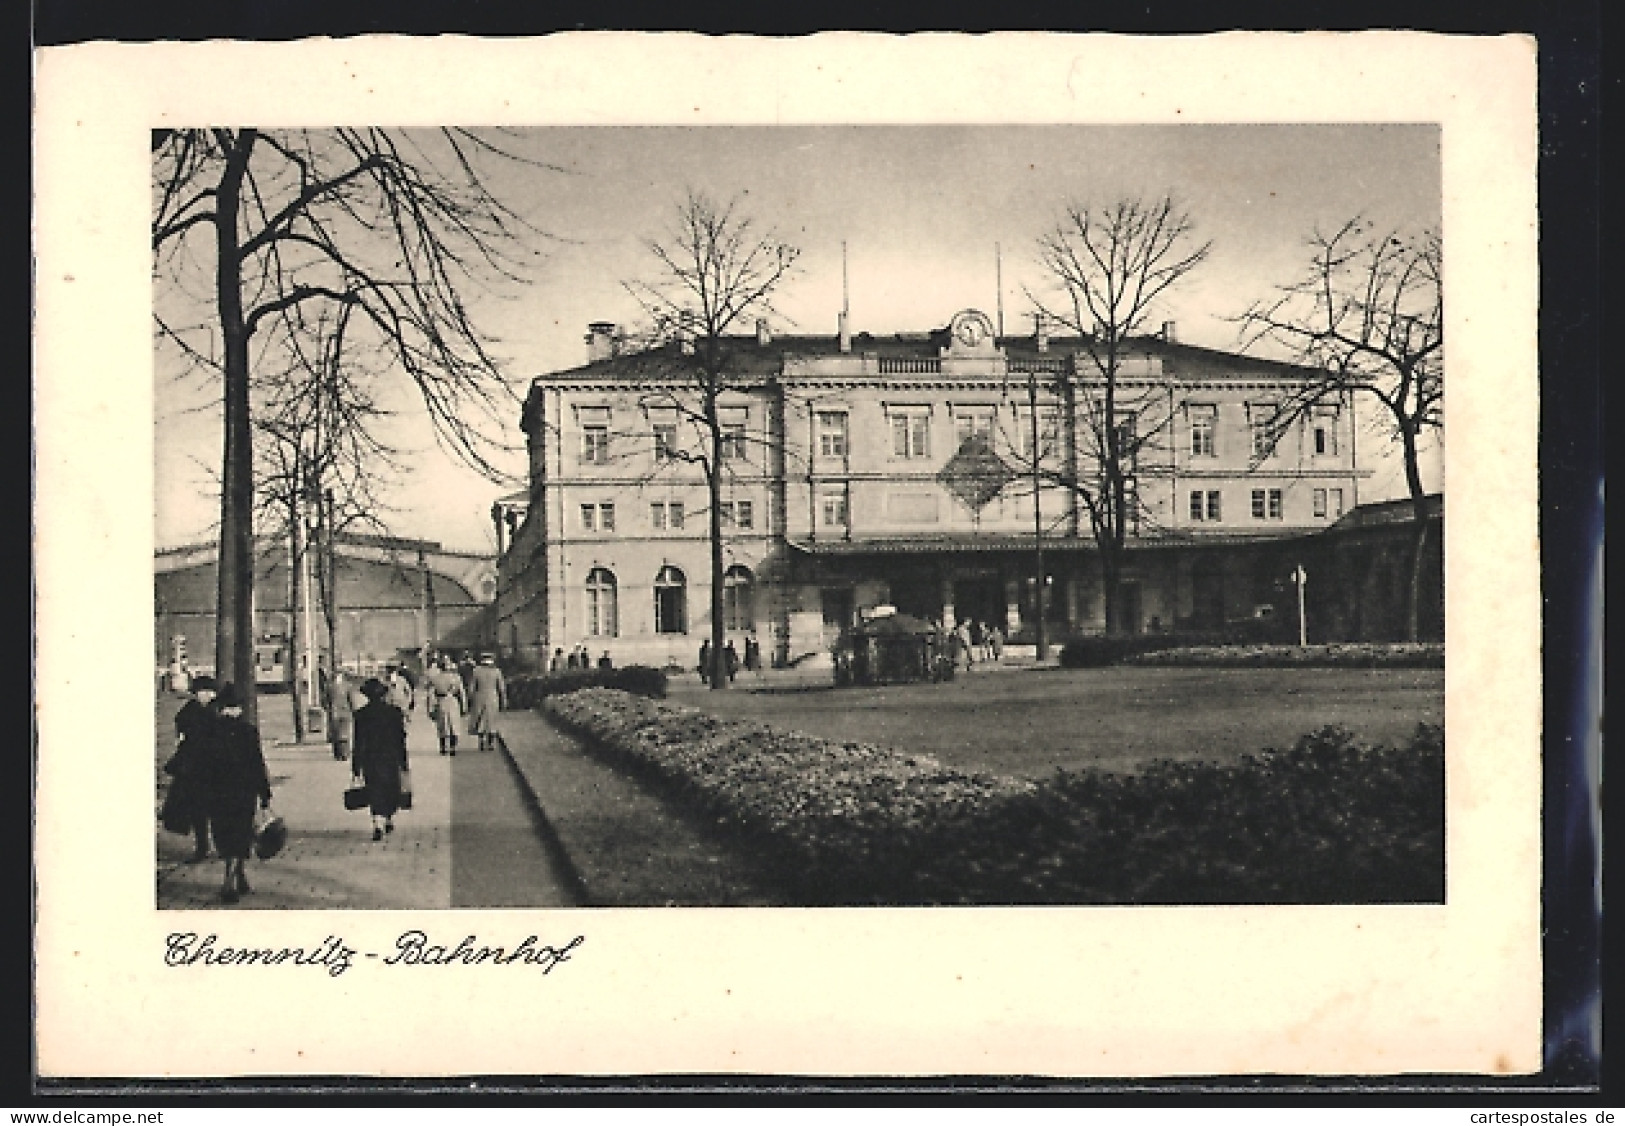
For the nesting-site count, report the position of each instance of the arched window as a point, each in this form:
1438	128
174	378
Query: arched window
601	615
738	599
671	601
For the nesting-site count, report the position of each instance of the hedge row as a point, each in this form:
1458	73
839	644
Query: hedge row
1328	821
528	690
1357	656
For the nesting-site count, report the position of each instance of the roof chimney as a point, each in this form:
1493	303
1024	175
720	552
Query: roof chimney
845	333
600	341
763	336
1041	331
1168	332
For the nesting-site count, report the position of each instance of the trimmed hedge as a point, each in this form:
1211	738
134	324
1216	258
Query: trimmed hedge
528	691
1328	821
1344	656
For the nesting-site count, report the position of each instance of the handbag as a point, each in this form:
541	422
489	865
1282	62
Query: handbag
176	815
356	797
406	789
270	834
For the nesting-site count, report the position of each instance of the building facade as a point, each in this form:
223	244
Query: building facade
920	471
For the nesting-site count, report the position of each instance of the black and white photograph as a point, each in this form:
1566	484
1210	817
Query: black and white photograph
976	538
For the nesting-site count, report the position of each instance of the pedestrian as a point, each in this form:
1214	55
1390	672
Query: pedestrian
730	661
978	636
233	777
340	713
962	642
583	658
402	694
995	641
705	661
573	661
490	696
753	654
380	755
557	664
605	662
465	671
446	702
183	803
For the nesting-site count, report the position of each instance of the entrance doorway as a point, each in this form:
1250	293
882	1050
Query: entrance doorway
1128	606
979	598
1207	595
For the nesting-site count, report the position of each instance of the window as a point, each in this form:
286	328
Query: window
744	514
1205	506
1213	509
1325	433
832	434
663	424
734	422
1196	504
606	518
738	602
1267	503
834	507
589	518
973	422
1204	423
598	517
665	441
1263	439
601	611
1047	425
1337	503
671	601
594	435
1319	499
911	434
666	514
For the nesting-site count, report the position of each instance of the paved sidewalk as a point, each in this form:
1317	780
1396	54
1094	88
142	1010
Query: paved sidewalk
330	860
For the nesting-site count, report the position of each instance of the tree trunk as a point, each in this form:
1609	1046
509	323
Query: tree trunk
719	664
234	629
1413	592
296	620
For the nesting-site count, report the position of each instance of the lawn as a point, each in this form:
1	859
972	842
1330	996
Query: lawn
1030	722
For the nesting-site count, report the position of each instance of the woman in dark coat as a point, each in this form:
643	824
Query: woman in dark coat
380	755
233	776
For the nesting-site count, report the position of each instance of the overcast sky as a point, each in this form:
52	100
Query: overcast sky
920	208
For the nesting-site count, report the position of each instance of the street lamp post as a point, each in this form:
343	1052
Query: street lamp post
1042	648
1300	578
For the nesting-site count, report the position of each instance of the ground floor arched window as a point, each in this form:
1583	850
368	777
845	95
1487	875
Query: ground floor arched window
601	609
738	599
671	601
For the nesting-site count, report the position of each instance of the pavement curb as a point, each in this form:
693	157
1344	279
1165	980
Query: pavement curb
533	801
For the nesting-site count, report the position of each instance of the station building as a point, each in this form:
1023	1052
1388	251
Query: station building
864	471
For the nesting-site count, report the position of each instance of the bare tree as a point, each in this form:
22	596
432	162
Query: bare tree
396	225
1368	316
714	269
319	460
1108	265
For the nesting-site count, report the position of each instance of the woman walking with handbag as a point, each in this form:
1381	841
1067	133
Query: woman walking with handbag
233	776
380	755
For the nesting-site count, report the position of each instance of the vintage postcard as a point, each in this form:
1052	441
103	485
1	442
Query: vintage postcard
639	554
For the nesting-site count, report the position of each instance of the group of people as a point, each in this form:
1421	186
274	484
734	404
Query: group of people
217	776
730	659
577	658
450	692
972	641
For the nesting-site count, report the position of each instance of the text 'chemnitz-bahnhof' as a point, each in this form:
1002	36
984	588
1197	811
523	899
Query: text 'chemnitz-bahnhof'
865	471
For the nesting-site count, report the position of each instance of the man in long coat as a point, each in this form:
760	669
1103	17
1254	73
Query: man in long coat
489	696
446	702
